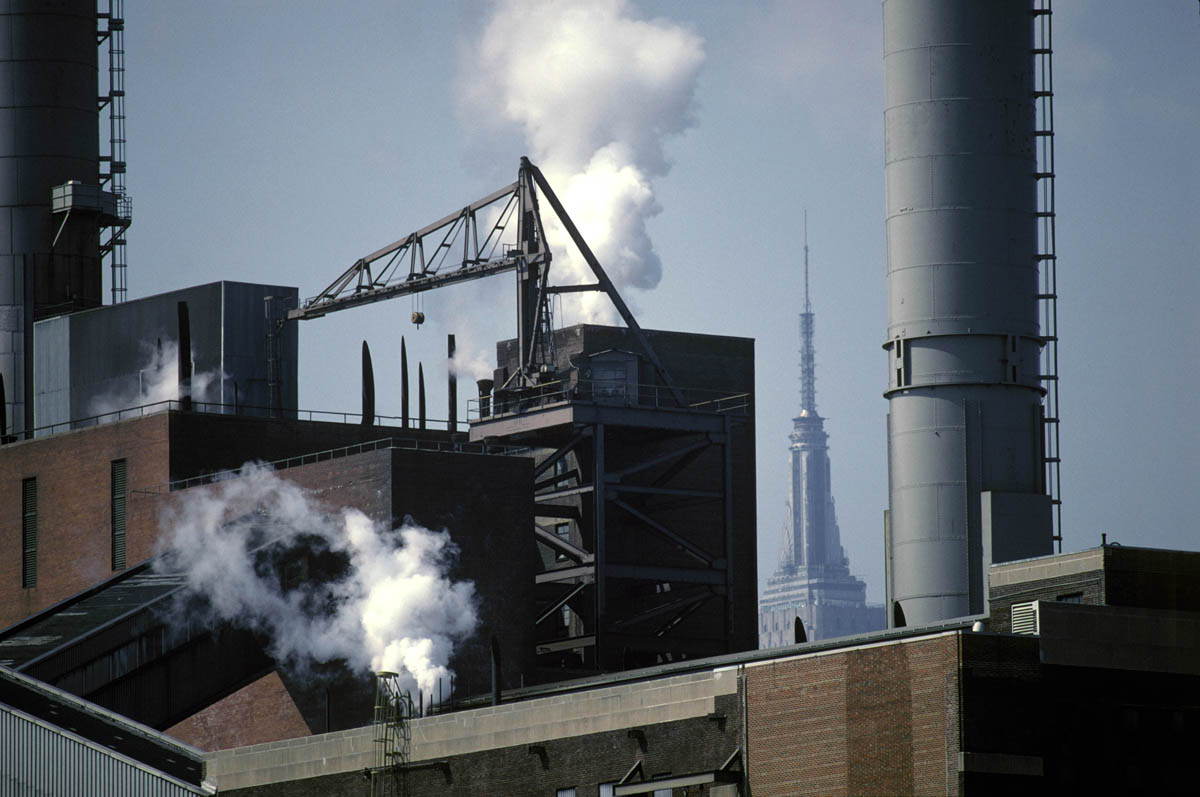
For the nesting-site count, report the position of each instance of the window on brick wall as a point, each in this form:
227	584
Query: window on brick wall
1070	597
607	789
567	792
118	514
29	533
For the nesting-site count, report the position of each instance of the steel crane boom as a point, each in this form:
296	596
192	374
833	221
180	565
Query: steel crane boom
449	251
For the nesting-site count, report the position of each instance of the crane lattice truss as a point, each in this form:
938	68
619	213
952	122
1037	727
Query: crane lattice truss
456	249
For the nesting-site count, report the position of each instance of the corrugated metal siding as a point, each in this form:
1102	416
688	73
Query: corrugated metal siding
38	759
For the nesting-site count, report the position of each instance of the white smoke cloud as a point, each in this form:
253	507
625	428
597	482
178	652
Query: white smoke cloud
596	92
471	365
156	382
391	608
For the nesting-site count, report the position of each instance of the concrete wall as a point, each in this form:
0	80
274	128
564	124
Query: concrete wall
584	736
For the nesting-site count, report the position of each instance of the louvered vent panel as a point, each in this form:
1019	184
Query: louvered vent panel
1025	618
29	536
118	514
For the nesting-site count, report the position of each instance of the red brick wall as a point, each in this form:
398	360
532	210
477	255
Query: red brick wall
872	720
74	491
74	475
264	711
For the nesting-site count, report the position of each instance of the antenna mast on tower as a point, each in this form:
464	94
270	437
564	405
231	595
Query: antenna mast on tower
808	376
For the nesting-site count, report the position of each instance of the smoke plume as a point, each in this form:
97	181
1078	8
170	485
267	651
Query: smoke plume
156	382
385	602
596	91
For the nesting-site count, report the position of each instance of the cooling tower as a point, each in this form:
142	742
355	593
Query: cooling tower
48	137
965	451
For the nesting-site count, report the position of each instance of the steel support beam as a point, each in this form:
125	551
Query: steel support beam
564	573
686	546
689	575
558	604
556	542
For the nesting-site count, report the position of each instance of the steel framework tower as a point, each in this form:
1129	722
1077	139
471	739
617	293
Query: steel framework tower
813	581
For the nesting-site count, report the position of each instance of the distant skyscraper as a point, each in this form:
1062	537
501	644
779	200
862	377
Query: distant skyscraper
813	580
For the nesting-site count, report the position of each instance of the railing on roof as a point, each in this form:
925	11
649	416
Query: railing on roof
383	444
616	392
217	408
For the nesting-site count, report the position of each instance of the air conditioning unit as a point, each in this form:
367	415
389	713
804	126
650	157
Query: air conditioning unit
1025	618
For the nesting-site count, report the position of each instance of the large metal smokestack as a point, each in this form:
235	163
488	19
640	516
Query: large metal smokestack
50	137
965	461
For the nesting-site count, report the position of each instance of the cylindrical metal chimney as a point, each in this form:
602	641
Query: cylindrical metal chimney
485	396
49	135
965	457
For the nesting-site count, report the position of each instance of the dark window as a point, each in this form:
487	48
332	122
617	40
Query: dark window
29	533
1073	597
118	514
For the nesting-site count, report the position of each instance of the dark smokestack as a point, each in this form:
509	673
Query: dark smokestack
451	386
403	383
185	358
420	395
495	671
485	397
368	387
798	632
3	413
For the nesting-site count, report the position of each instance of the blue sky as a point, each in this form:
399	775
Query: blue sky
277	142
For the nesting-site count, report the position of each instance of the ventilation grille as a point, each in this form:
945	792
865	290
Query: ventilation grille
29	536
118	514
1025	618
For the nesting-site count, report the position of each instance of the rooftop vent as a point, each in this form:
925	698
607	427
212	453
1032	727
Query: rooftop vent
1025	618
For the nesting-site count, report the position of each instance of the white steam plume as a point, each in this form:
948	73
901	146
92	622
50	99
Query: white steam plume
596	91
390	606
156	381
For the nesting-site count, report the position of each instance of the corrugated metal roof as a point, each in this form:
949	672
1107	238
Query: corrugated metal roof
28	641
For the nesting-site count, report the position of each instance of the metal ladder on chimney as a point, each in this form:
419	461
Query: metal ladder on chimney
111	29
1047	257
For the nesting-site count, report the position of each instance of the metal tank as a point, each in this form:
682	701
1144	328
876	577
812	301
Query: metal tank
49	136
965	452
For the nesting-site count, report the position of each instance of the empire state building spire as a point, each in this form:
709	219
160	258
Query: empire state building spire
813	583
